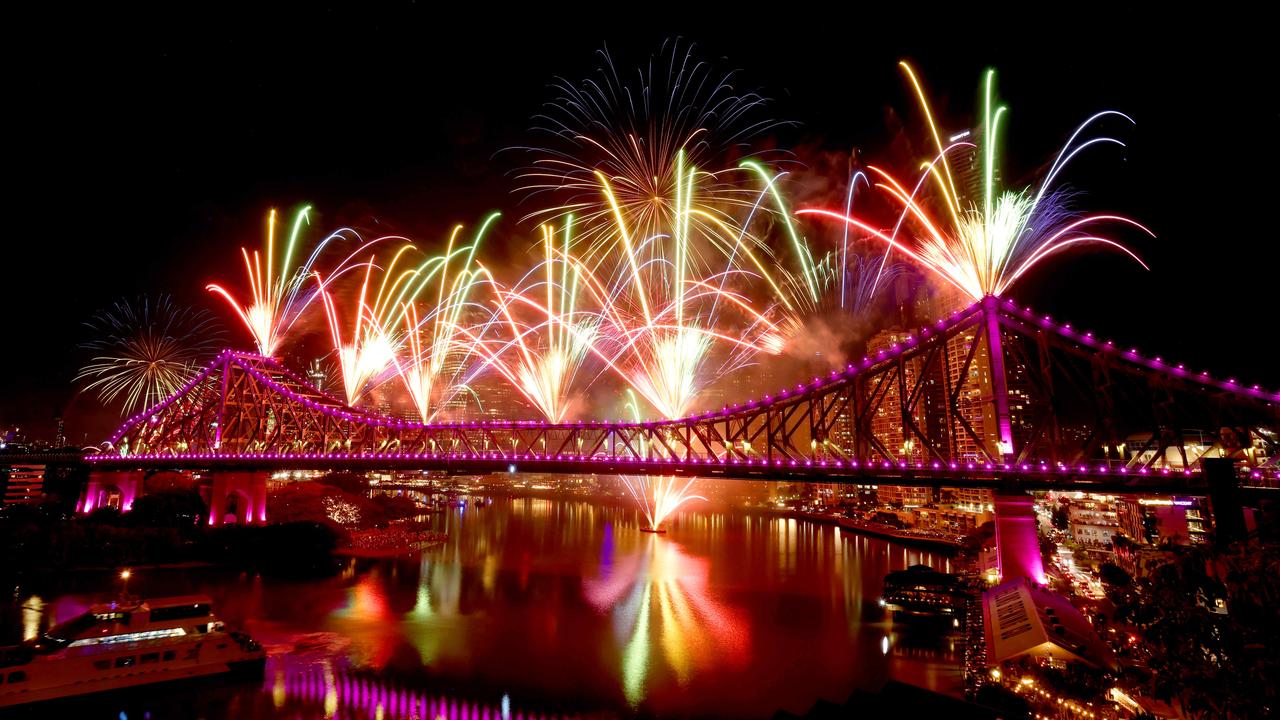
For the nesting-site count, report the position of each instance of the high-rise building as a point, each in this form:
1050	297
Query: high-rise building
497	399
887	424
906	496
965	162
975	401
1092	520
316	375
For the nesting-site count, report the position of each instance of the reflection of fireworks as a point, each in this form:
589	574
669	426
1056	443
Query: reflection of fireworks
658	497
660	601
985	244
146	350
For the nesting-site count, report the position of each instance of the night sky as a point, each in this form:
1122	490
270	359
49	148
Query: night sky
144	150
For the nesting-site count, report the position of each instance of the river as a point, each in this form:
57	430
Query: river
541	606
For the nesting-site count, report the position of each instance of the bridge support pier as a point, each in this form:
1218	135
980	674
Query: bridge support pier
238	498
1017	542
113	489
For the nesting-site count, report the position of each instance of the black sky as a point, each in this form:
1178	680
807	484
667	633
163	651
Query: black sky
143	150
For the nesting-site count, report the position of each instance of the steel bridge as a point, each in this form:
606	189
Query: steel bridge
992	394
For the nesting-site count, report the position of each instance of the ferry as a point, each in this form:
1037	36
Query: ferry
122	644
920	592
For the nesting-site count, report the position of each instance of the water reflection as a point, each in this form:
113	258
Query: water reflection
658	599
565	605
323	690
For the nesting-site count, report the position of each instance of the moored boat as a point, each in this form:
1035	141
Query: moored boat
125	643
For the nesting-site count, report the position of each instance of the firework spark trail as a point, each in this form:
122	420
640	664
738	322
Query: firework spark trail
812	285
541	358
987	243
371	348
391	337
631	133
441	341
278	300
146	350
663	353
659	497
854	177
273	297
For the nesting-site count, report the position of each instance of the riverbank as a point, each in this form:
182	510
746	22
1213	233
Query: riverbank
42	548
389	543
913	537
920	538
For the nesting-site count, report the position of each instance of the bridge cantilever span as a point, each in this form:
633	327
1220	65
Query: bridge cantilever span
1075	410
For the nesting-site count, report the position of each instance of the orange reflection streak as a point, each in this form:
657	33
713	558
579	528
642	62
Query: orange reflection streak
378	627
662	606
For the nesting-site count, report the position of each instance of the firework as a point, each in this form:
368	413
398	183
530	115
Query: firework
371	349
658	497
279	299
441	340
675	216
665	314
146	350
637	137
540	356
407	320
985	239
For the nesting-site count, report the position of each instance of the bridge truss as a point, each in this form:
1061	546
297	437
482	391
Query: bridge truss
994	388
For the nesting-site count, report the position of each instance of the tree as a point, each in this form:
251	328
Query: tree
1114	576
168	508
1214	664
1060	517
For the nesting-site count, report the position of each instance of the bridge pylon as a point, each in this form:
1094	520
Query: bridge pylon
1004	448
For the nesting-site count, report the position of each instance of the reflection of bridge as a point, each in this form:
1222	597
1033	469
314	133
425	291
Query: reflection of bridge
991	393
305	686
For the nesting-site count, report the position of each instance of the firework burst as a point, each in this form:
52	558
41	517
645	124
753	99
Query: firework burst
619	148
147	349
371	348
984	239
549	329
411	317
666	313
280	298
439	343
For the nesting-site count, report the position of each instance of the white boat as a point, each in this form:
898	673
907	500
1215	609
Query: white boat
123	644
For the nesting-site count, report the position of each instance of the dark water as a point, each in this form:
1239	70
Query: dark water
543	607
